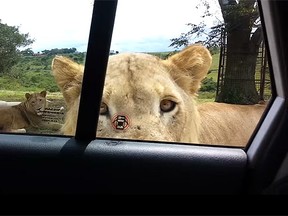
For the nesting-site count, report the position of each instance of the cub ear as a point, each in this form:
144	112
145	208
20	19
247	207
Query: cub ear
68	76
27	96
43	93
190	66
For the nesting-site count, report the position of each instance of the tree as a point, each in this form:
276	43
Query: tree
242	26
27	52
11	40
56	51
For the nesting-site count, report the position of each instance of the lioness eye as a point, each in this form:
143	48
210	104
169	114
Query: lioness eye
167	105
103	109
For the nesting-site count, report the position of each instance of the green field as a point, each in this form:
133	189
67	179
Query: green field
215	62
214	67
33	74
9	95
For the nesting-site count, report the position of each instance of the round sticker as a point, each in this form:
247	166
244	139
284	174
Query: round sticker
120	122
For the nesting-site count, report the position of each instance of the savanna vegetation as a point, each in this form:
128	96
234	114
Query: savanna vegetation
33	73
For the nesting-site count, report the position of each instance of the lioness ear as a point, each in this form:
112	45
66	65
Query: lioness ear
43	93
68	76
190	66
27	95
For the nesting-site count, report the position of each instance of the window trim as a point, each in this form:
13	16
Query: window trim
95	68
277	64
267	149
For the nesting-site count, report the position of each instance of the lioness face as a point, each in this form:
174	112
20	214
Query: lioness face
144	97
36	102
142	93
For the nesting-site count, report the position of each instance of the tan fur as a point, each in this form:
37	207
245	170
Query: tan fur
138	85
24	115
228	124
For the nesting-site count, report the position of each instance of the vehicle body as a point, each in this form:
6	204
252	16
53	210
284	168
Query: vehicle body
48	165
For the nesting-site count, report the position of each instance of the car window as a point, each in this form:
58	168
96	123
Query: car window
173	75
30	38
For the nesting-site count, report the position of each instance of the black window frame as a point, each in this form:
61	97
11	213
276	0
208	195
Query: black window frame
98	50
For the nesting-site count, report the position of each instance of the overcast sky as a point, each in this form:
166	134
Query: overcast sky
140	25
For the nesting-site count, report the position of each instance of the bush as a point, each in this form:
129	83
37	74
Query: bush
33	73
208	85
9	83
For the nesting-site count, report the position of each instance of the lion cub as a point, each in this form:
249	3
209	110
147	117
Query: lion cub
24	115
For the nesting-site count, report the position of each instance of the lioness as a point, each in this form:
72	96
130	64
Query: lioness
228	124
148	98
24	115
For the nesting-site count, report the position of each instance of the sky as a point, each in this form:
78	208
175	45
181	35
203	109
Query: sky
140	25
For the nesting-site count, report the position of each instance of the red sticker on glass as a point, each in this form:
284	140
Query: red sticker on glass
120	122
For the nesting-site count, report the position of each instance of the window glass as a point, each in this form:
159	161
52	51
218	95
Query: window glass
179	71
32	33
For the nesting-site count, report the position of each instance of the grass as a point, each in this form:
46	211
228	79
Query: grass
214	67
9	95
206	97
214	75
215	62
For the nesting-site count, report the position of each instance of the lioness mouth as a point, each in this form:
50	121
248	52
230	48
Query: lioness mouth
39	111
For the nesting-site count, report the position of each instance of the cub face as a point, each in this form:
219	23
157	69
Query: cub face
36	102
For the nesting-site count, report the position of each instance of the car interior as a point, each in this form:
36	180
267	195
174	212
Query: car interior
81	166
